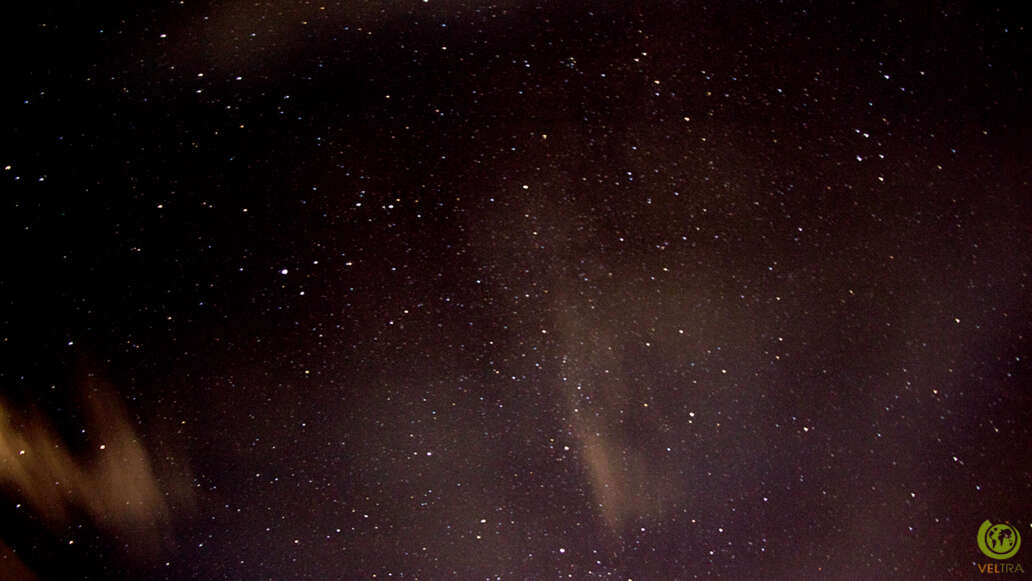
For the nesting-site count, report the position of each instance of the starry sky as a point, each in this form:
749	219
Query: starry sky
436	289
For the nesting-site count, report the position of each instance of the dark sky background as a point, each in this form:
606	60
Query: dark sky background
444	290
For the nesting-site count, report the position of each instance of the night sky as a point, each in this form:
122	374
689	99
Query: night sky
582	290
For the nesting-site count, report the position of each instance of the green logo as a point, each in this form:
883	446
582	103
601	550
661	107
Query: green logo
998	541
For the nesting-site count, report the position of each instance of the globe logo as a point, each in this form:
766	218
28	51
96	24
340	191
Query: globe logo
998	541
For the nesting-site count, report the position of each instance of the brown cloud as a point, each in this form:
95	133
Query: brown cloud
11	567
115	483
623	477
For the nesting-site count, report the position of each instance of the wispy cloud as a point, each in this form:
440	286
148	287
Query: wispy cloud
115	481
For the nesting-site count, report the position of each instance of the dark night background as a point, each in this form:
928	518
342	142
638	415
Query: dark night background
443	290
